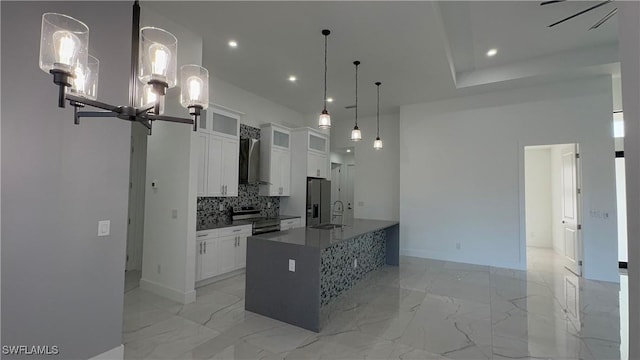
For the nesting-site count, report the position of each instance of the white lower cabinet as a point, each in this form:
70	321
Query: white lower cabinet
290	224
220	251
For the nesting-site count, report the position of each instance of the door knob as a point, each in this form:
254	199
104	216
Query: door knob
563	221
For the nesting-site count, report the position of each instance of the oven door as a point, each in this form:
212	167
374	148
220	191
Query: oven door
266	229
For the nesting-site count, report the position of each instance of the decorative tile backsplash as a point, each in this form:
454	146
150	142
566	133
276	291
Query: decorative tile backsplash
209	207
337	273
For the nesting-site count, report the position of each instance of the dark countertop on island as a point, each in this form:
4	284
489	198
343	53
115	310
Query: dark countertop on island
319	238
228	223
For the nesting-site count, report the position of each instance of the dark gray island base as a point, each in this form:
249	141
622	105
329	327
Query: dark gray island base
327	263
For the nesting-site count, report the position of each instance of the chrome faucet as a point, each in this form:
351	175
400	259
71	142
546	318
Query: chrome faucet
339	212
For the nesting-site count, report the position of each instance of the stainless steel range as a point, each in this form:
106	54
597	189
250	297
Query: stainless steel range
260	224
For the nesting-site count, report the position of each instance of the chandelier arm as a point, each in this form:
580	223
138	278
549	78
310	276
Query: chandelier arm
170	119
94	103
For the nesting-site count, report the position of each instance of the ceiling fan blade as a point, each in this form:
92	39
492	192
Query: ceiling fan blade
551	2
604	19
580	13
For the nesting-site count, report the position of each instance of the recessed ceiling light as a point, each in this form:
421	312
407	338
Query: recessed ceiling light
233	44
292	78
492	52
329	99
348	150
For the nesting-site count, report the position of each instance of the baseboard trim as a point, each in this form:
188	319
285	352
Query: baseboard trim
438	255
169	293
215	279
117	353
622	265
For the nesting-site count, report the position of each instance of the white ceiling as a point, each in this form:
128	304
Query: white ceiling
413	48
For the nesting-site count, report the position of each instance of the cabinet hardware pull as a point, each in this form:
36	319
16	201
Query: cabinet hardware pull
236	230
201	235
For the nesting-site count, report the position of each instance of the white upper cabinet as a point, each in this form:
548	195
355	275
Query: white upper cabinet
275	160
315	146
217	144
318	143
220	121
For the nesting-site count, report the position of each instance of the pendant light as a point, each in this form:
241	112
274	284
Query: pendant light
356	134
377	144
324	122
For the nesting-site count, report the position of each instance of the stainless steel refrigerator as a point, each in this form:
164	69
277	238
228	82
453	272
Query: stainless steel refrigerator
318	201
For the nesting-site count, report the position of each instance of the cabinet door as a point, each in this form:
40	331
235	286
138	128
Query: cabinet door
241	252
202	145
214	166
199	247
226	253
208	259
323	164
316	165
280	138
230	166
285	173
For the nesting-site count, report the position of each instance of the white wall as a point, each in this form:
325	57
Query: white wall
257	110
62	284
537	173
168	263
462	172
629	37
377	180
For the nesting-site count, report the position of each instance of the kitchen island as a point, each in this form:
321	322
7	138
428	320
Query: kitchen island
291	275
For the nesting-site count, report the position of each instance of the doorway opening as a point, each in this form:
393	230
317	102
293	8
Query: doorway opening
343	169
135	224
553	203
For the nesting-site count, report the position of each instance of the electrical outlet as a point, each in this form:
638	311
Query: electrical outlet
292	265
269	205
360	203
104	227
174	213
458	246
355	263
159	269
221	208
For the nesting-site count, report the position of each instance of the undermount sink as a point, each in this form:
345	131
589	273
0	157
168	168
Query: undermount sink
327	226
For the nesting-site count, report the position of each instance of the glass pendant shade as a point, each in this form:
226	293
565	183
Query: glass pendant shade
194	86
85	82
157	56
356	134
324	122
146	98
63	43
377	144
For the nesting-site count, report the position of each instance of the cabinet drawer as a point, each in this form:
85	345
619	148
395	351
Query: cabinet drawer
213	233
235	230
290	222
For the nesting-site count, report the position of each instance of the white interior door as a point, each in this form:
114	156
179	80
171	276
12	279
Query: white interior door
571	227
335	182
137	174
348	211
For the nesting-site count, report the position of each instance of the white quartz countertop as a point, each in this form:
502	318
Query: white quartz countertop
321	238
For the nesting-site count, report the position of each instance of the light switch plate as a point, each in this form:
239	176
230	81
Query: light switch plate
292	265
174	213
104	227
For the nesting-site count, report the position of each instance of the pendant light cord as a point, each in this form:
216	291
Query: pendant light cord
356	63
325	72
378	111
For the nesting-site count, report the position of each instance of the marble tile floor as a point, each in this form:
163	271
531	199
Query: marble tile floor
424	309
